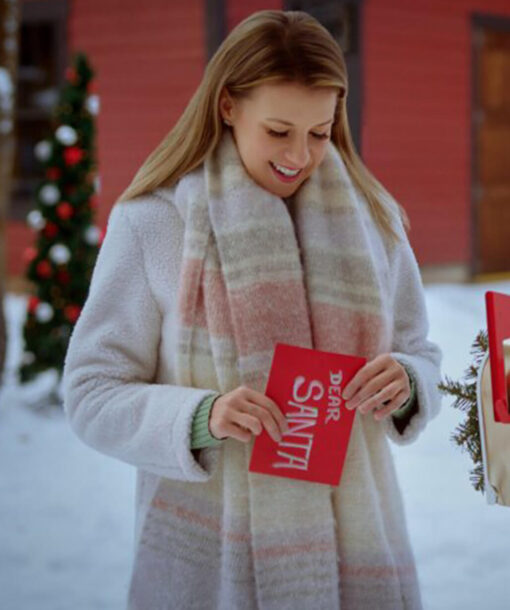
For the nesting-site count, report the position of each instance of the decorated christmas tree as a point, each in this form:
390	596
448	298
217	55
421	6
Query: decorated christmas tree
60	263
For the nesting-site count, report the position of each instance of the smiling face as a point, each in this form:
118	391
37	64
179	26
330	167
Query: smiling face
281	125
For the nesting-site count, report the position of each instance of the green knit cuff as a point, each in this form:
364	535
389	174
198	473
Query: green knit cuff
409	405
200	434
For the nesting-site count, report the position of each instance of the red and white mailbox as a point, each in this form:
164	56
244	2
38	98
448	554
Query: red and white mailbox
493	399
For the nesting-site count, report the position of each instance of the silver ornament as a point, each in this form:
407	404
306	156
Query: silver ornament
36	220
49	194
42	150
92	104
44	312
66	135
60	254
91	235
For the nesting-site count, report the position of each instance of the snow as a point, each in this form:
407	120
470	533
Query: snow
67	511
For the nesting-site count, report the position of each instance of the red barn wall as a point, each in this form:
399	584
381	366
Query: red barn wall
416	115
149	58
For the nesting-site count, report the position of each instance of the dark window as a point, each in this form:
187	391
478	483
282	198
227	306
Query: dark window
215	25
42	62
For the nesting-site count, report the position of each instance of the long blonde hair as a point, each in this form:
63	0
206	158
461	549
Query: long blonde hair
268	46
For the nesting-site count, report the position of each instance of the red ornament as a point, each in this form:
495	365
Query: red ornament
63	276
73	155
50	230
29	254
53	173
33	302
43	269
64	210
72	312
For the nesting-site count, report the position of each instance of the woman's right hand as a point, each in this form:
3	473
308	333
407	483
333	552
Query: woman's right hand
242	412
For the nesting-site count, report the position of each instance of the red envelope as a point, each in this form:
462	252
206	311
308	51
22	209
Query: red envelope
307	385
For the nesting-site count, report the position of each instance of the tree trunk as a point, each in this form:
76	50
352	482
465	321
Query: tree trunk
9	43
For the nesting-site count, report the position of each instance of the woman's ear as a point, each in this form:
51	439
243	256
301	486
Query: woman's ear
226	106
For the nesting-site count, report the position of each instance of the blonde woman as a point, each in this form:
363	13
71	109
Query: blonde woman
255	221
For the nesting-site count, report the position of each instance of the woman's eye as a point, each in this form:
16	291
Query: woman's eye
277	134
282	134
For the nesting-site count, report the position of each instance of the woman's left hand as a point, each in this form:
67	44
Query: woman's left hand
382	380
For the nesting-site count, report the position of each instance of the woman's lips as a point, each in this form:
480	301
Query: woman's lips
282	177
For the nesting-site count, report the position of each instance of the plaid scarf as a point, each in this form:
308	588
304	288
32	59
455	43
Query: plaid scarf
252	276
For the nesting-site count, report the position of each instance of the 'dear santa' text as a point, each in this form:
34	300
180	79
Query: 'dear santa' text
296	445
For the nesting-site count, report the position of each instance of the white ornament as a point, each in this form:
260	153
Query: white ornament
49	194
36	220
97	184
44	312
59	254
66	135
27	358
42	150
92	234
92	104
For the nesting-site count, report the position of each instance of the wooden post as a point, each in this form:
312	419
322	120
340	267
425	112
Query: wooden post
9	43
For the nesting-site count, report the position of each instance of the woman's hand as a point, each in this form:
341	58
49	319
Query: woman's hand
382	382
242	412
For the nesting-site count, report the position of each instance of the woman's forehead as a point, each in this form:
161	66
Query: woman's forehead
291	103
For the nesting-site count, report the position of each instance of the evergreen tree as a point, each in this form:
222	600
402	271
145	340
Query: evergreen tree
60	264
467	434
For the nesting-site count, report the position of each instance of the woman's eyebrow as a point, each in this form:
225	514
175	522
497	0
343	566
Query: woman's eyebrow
292	124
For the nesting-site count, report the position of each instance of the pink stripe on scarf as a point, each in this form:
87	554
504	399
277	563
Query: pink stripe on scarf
255	324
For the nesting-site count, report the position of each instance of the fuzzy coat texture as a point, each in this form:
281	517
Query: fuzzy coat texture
192	287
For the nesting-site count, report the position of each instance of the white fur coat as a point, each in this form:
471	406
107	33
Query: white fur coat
121	399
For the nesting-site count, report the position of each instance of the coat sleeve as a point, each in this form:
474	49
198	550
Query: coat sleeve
110	398
411	347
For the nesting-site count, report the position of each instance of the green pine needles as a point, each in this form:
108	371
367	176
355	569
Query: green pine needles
467	433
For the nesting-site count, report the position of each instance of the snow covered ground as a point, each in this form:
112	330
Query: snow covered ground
66	511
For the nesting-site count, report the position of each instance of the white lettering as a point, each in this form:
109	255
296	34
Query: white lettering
313	385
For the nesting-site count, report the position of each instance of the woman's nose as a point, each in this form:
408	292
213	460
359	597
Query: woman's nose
298	154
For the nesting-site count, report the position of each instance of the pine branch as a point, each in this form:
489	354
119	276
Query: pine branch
467	433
